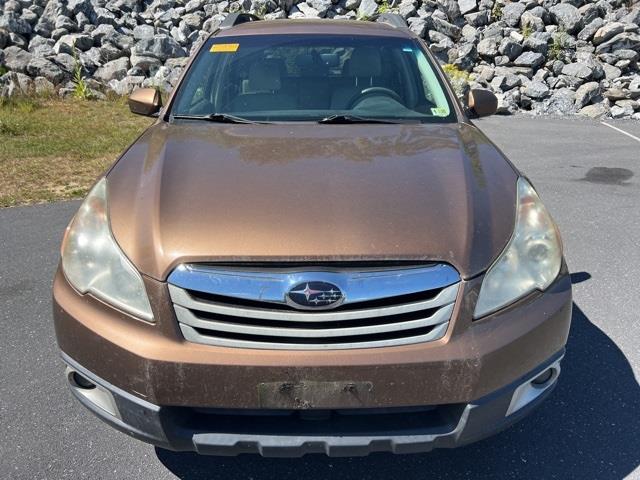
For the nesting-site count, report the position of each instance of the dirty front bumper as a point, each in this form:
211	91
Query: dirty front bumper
298	432
187	396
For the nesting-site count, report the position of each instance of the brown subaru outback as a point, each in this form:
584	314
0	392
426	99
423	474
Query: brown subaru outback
313	249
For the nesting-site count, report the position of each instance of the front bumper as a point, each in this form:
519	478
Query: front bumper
179	395
290	434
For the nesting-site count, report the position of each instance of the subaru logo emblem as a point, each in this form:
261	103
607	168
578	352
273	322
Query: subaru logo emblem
315	295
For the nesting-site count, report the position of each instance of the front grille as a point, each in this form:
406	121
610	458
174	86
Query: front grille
247	307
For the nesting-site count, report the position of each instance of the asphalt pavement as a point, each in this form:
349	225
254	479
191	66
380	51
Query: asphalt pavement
587	174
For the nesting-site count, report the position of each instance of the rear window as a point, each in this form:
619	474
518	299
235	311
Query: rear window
310	77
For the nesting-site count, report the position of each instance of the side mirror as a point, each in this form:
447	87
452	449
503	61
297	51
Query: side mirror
145	101
483	102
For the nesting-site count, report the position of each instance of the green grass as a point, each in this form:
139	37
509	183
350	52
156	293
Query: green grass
52	149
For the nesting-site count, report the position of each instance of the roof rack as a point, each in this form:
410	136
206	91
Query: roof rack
393	19
237	18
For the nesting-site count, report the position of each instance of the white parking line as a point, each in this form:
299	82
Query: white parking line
621	131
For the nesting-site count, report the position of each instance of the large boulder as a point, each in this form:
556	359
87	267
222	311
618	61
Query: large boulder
529	59
449	29
4	38
145	63
81	6
607	31
466	6
41	67
79	41
510	48
367	8
590	30
104	16
42	86
143	32
116	69
15	83
11	22
536	89
536	44
104	33
625	40
567	17
160	46
597	110
512	12
586	93
16	59
579	70
488	47
561	102
66	62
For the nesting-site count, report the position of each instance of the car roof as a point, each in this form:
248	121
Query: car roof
315	27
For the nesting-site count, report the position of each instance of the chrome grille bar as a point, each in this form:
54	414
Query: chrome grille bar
246	307
182	298
271	285
192	335
188	318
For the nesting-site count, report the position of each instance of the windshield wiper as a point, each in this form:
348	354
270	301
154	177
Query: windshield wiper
342	118
216	117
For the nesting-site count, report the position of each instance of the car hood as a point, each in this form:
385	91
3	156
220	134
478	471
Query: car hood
203	192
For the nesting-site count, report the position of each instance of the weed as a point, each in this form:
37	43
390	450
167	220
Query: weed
385	7
80	88
527	30
3	70
260	9
496	11
559	45
459	78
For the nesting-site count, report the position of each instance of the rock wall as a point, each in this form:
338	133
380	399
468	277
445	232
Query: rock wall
542	56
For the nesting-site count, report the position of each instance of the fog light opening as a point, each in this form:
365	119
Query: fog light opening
544	378
81	381
528	391
92	392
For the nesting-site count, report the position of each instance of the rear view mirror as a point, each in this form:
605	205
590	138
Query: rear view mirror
483	102
145	101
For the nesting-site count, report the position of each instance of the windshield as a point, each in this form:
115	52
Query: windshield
313	77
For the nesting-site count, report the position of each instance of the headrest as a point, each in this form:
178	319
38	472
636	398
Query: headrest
331	60
310	64
365	62
264	76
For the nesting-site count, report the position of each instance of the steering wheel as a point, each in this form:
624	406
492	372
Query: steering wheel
372	92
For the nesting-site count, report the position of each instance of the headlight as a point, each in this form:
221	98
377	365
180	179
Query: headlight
93	262
531	260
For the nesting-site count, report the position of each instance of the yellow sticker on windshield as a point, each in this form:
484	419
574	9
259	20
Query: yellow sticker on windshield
440	111
225	47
